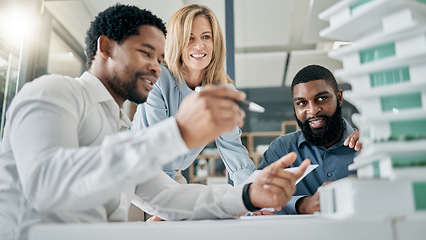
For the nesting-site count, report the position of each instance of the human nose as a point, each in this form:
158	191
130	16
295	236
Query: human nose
199	44
155	68
313	109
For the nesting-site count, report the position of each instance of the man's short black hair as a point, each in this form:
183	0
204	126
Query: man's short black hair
314	72
118	23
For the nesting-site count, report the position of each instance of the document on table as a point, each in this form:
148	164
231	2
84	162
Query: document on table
287	216
309	169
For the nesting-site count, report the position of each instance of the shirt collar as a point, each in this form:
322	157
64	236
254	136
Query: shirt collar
348	129
100	94
301	139
96	88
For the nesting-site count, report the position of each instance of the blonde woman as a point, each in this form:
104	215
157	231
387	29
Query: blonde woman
195	56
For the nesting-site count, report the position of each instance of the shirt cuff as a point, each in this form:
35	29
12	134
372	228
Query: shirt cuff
240	176
233	202
290	207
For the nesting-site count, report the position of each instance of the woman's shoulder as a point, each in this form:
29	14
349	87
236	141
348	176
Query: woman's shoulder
166	74
166	79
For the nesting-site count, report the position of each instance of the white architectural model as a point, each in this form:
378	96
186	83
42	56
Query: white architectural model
386	67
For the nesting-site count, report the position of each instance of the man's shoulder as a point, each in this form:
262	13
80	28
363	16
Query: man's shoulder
279	147
52	83
288	141
56	90
53	79
289	137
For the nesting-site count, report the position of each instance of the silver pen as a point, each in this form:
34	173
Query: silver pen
246	104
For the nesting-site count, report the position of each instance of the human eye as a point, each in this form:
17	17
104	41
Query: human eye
144	53
206	36
322	98
300	104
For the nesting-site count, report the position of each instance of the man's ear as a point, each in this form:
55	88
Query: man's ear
340	96
104	46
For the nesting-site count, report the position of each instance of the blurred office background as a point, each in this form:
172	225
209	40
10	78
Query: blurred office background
268	42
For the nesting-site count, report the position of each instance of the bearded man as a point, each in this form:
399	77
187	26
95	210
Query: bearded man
325	137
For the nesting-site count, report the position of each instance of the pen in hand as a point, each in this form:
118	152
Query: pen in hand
246	104
254	107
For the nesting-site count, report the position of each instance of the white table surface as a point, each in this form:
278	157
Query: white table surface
273	227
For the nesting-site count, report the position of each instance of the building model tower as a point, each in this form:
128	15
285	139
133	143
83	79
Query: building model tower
386	68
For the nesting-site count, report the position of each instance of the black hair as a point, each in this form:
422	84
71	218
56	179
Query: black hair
314	72
118	22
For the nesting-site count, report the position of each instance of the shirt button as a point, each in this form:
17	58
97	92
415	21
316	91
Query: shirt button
329	174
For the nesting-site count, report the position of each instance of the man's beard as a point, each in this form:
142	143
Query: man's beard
331	131
129	89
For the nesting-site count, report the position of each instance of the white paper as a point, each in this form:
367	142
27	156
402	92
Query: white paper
309	169
286	216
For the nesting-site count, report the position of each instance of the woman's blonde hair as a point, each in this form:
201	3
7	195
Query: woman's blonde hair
178	33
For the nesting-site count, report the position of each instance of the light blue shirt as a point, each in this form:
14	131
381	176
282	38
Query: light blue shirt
333	162
163	102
